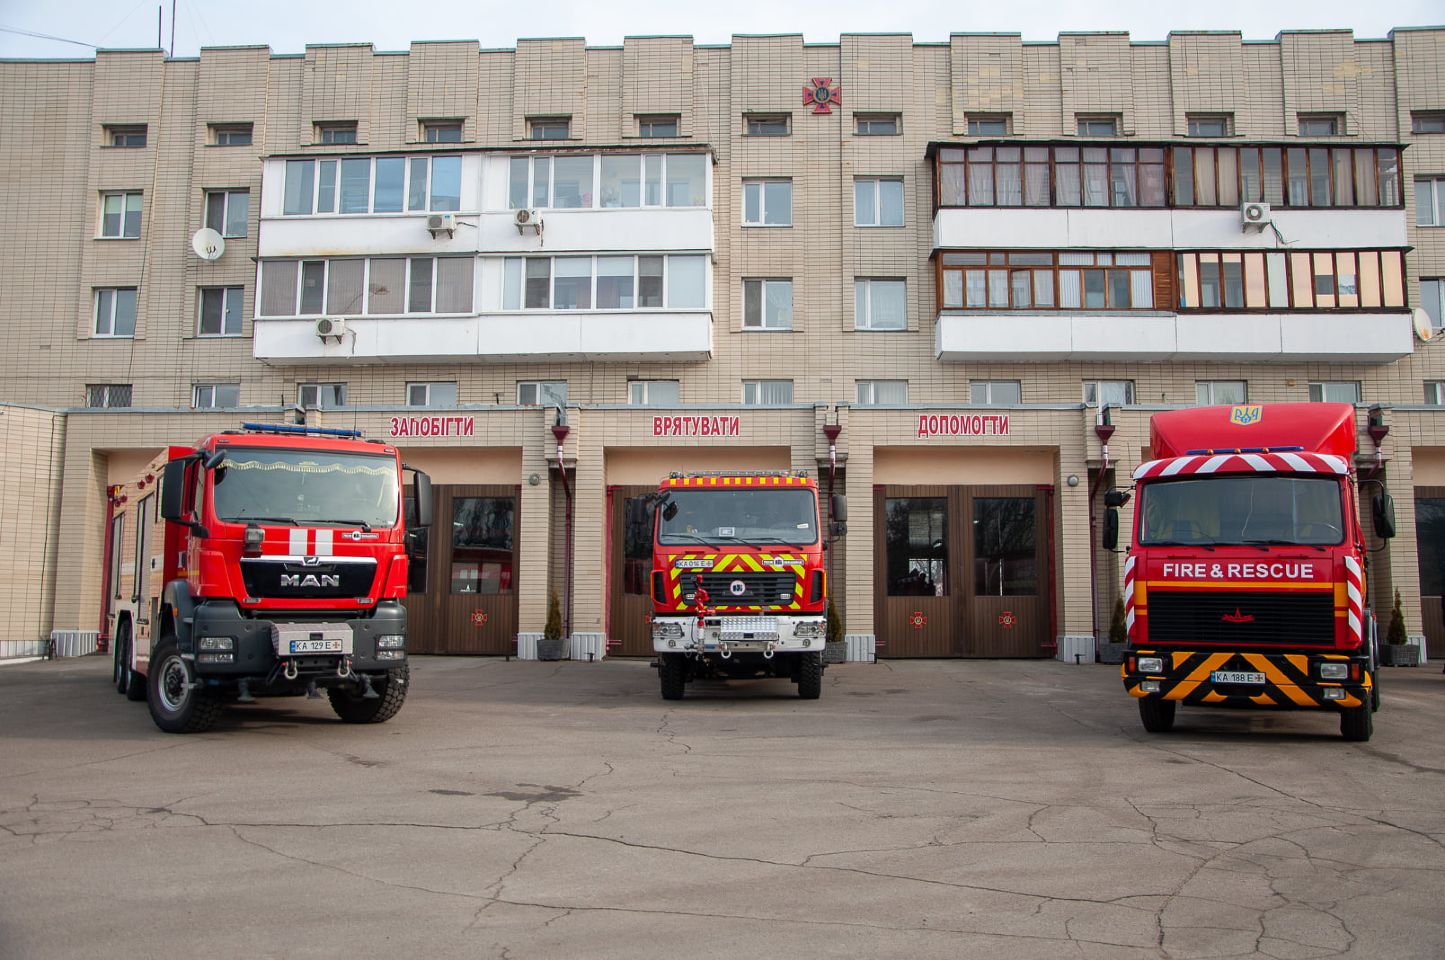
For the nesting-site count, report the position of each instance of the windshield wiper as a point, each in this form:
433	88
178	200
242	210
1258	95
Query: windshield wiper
366	527
667	538
1206	544
291	520
1279	542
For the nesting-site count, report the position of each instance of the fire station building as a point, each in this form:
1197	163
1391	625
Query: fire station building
951	280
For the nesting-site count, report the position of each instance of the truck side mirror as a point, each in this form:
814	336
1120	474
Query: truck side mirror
1111	528
669	511
637	512
1116	498
840	507
1383	508
173	491
421	484
837	528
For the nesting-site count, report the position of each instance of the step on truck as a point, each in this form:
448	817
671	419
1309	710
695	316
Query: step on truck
739	587
1244	583
269	561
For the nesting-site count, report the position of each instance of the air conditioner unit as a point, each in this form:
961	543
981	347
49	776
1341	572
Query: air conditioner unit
437	222
1255	216
528	218
331	327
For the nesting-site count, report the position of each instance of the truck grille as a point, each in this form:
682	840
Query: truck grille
759	589
266	579
1242	617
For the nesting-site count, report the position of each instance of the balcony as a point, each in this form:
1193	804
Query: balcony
1039	337
597	336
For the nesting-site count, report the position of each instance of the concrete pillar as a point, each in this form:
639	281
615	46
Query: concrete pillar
587	444
858	572
534	573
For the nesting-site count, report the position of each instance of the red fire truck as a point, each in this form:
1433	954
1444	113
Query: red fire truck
739	588
1244	585
269	561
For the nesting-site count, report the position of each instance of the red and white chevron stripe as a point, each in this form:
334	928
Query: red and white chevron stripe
1355	593
1204	463
1129	595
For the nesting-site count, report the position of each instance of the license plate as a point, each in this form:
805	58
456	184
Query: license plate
1236	676
315	646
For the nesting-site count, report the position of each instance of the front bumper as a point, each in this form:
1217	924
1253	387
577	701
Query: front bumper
726	634
1291	680
254	649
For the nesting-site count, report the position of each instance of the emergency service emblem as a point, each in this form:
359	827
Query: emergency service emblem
737	588
918	621
479	618
1007	619
820	94
1246	416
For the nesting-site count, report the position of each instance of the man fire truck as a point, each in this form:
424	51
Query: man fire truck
272	562
1244	585
738	582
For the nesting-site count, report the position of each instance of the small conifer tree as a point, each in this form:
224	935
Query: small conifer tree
1396	631
1118	632
553	628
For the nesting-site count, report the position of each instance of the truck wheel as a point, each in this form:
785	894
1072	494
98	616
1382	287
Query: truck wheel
178	702
122	661
810	676
672	671
1157	715
353	708
1357	723
1374	690
131	683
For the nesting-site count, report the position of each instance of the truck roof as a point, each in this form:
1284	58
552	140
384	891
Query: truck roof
1326	428
739	479
296	441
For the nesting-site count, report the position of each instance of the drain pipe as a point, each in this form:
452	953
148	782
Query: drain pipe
560	431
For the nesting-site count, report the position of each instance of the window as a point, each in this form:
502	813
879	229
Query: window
1040	280
107	394
483	535
1322	280
1102	125
1005	559
120	215
877	202
547	393
993	393
877	124
658	126
990	124
227	211
1210	124
385	286
549	128
880	304
115	311
338	131
768	304
604	283
1429	202
441	131
372	185
1435	392
231	134
916	546
1427	121
1321	124
652	393
624	180
1220	392
220	314
1338	391
1041	176
442	394
206	396
765	392
768	203
131	135
765	124
1113	393
321	396
874	392
1432	299
1286	176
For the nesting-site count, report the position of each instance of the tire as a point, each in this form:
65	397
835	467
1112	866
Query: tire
176	705
121	658
1157	715
1357	724
353	708
128	682
672	672
810	676
1374	690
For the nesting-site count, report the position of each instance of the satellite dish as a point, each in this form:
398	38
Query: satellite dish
208	244
1424	326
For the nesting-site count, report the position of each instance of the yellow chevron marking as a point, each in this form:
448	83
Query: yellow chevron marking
751	561
1177	660
1278	678
1342	597
1212	697
1264	700
1302	664
1188	685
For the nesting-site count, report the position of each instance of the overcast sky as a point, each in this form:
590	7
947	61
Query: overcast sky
289	25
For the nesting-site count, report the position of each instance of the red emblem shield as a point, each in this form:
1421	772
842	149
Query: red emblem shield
820	94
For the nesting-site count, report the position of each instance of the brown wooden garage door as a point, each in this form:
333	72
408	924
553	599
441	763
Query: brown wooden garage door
629	573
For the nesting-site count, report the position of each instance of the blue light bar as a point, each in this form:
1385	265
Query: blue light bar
1245	450
299	430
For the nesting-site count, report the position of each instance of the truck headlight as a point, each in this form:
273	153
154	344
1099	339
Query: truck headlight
216	643
215	658
1149	686
668	631
808	631
1151	664
1334	671
390	641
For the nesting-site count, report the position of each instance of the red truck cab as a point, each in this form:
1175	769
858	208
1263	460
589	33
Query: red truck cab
1244	583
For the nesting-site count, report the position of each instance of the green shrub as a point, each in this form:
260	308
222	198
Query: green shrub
1396	632
835	624
553	629
1118	631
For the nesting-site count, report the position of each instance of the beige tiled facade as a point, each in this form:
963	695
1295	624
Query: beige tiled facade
53	125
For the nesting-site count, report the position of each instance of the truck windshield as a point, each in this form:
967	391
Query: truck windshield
743	515
306	487
1257	509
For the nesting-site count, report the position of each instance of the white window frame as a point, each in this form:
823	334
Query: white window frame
1319	390
126	131
759	185
537	125
644	204
325	131
978	122
125	196
110	333
863	288
227	294
1335	120
1432	300
439	126
108	395
877	211
221	134
1096	388
861	121
1084	124
538	388
205	396
639	393
228	195
1194	124
427	388
667	276
762	323
1204	392
866	392
1422	120
1435	393
989	386
1434	205
315	390
752	392
407	210
365	308
646	121
749	119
